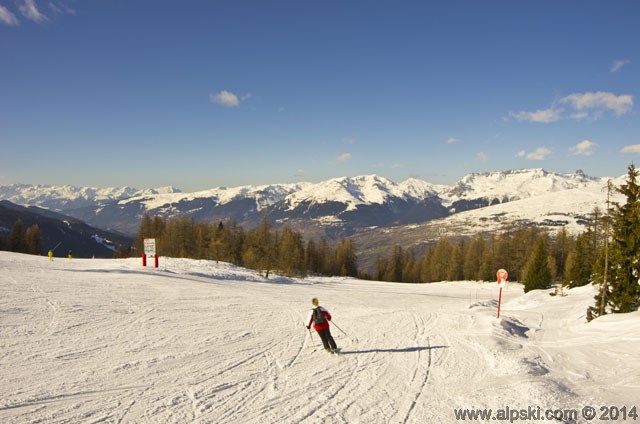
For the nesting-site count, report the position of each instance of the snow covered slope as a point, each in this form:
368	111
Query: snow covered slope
195	341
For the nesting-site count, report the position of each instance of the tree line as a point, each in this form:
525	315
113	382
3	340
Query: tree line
264	248
606	254
520	251
22	239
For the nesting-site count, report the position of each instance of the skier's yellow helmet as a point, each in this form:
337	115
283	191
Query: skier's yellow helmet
314	301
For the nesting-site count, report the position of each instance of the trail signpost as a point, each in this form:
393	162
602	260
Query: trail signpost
502	275
150	251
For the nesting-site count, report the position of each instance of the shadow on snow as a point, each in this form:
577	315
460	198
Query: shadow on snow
397	350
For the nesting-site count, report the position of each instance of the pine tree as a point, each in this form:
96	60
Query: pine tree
312	260
382	267
522	244
579	263
262	247
454	268
291	260
17	238
33	240
346	258
411	268
624	286
394	271
440	257
472	258
538	272
489	263
560	249
325	258
425	267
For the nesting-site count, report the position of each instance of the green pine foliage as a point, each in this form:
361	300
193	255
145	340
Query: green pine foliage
538	271
580	261
624	283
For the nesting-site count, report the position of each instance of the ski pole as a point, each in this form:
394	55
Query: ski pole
354	339
339	328
313	345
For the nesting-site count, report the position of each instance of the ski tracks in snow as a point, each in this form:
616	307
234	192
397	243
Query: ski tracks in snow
119	345
420	376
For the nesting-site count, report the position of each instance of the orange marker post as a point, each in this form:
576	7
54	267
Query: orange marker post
502	281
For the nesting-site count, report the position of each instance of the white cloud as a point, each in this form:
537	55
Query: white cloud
349	140
579	116
599	102
452	140
60	8
344	157
225	98
582	105
541	116
584	148
29	10
521	154
7	17
482	156
618	64
634	148
540	153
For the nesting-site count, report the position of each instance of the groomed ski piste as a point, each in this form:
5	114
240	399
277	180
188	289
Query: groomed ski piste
198	341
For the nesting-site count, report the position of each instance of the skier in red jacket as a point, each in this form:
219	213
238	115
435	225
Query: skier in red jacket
320	317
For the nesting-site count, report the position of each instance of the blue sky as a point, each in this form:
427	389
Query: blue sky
199	94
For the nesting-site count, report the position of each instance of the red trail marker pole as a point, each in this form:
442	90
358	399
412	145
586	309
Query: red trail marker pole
502	281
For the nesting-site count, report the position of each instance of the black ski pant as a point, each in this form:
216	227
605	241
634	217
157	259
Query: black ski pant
327	339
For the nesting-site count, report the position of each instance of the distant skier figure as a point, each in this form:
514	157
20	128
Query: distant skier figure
320	317
50	255
70	255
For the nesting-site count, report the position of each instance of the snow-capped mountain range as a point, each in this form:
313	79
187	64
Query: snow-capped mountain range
334	208
61	198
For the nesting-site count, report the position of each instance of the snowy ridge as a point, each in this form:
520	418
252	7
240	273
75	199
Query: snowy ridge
517	184
352	191
347	206
551	202
60	198
264	195
362	190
